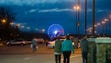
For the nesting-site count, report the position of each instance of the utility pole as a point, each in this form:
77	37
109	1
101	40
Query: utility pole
78	18
85	17
93	17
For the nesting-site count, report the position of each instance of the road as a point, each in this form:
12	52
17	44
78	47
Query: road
17	54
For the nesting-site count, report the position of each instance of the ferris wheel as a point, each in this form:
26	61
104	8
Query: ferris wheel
55	30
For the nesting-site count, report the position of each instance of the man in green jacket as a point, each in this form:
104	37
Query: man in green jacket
84	48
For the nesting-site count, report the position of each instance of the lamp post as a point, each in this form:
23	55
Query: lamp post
78	19
109	23
77	9
85	17
93	17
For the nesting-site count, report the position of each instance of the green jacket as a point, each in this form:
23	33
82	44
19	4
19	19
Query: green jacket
84	45
58	45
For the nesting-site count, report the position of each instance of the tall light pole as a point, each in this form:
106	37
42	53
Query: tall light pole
78	18
77	9
93	17
85	17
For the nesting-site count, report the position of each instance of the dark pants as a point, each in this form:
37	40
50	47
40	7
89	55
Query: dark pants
58	58
84	57
66	55
34	48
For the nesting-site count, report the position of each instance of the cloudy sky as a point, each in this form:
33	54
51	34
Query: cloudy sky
40	14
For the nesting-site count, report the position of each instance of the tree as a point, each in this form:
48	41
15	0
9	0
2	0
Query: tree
6	17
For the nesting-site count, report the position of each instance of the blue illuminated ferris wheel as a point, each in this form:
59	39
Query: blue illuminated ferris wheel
55	30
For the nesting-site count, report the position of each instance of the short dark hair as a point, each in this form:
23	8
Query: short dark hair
68	37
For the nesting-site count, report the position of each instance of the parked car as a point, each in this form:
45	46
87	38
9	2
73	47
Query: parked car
51	44
26	42
16	42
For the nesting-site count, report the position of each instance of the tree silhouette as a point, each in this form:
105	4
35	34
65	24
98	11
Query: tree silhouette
7	31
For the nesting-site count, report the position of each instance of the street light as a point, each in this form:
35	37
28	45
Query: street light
85	17
3	21
43	30
77	8
93	17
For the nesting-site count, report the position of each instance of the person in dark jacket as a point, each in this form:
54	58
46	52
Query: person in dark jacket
84	48
67	48
33	45
57	50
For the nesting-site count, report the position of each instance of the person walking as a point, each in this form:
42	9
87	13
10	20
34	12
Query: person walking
84	48
33	45
67	48
57	50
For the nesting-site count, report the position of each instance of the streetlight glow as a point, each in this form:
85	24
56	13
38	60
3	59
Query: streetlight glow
43	30
77	8
98	24
3	20
106	20
103	22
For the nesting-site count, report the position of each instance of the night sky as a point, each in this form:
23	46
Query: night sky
40	14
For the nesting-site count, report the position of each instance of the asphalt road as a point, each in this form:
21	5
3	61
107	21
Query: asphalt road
24	54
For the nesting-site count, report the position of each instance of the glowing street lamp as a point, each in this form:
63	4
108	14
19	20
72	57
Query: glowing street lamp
95	25
103	22
3	21
98	24
43	30
77	8
106	20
